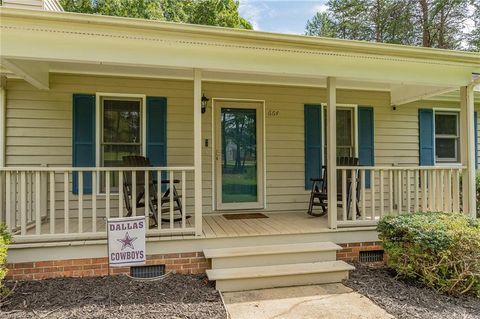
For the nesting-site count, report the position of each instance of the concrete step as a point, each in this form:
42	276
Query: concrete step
272	254
258	277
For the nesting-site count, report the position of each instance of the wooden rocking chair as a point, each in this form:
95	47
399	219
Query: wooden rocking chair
319	192
154	182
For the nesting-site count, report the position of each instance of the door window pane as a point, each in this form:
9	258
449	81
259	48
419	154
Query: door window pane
239	155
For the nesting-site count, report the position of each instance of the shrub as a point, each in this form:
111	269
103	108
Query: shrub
4	242
442	250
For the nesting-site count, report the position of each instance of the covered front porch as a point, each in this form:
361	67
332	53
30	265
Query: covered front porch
57	184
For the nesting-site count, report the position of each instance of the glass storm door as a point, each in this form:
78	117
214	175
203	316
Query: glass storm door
238	155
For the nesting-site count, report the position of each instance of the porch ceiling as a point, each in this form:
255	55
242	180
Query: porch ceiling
36	44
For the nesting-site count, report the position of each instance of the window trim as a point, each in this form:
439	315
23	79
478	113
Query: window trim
355	126
458	151
98	125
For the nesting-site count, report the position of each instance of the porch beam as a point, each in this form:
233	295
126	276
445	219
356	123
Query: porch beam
197	147
331	139
468	149
34	72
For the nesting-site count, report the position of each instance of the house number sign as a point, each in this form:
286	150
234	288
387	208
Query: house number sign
273	113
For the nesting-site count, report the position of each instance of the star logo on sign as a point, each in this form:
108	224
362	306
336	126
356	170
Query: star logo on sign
127	241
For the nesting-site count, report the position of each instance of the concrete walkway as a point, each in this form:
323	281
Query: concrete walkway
318	301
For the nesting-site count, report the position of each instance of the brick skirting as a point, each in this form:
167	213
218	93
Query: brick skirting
351	251
184	263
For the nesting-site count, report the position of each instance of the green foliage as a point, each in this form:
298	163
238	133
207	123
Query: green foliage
4	242
222	13
429	23
441	250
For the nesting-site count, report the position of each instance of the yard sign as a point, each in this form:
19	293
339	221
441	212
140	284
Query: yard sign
126	241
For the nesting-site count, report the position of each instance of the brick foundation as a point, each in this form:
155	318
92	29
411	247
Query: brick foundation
184	263
351	251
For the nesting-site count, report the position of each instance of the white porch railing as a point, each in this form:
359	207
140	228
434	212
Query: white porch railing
396	190
38	204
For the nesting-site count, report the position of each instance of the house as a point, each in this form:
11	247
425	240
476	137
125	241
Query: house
237	122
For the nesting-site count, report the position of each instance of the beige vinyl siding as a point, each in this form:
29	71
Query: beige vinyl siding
39	127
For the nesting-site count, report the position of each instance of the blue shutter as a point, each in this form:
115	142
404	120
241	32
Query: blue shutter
157	132
83	144
313	143
426	137
366	146
475	126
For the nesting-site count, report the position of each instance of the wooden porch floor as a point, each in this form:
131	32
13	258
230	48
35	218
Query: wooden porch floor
217	226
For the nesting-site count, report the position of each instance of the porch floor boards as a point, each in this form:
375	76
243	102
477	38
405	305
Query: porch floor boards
217	226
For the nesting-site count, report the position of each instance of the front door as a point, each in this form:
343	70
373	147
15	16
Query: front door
238	155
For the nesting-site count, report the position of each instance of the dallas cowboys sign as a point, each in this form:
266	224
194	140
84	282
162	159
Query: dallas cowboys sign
126	241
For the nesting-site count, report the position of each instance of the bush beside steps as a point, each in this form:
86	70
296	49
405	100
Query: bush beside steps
441	250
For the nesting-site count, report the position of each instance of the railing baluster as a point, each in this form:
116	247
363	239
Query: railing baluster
456	191
399	192
2	198
416	190
354	205
424	191
382	194
159	199
448	191
8	201
409	192
344	195
362	183
52	203
434	191
23	203
134	193
94	201
184	198
66	202
80	202
107	194
120	194
372	190
38	215
391	194
171	194
147	193
29	197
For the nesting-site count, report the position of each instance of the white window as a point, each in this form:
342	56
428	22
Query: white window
121	133
447	137
345	132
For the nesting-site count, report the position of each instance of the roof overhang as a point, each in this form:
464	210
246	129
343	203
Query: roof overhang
38	43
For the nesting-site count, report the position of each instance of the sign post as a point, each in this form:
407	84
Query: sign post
126	241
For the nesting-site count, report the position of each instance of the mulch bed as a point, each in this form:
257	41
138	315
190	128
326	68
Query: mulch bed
407	299
176	296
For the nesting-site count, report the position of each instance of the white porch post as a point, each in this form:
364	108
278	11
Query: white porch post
331	139
468	150
197	147
3	111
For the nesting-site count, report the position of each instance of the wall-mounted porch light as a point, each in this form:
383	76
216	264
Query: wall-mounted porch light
204	103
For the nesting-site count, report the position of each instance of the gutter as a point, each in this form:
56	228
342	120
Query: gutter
229	34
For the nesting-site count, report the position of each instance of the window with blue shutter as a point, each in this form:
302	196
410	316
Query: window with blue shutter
156	143
83	135
426	137
313	142
366	146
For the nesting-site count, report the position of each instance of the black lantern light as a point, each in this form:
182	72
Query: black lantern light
204	103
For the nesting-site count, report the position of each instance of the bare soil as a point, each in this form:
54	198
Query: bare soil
176	296
408	299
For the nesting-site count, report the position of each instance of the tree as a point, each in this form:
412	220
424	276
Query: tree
430	23
209	12
474	36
